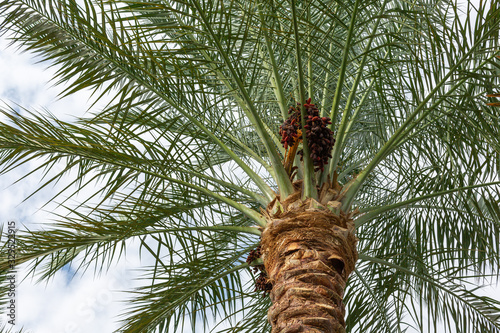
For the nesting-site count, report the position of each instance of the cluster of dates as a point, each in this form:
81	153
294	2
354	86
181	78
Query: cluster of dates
290	129
262	281
319	137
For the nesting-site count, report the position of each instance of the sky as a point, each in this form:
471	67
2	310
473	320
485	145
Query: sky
68	304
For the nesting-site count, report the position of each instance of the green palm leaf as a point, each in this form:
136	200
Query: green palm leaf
186	156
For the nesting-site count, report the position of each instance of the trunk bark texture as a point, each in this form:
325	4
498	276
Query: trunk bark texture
309	251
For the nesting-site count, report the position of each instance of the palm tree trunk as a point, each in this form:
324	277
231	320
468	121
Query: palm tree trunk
308	252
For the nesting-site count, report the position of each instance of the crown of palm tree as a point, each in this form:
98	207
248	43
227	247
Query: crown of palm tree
188	153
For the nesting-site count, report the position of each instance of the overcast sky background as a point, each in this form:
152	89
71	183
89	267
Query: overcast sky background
65	305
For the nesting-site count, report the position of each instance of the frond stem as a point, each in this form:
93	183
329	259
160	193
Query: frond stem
341	132
284	183
374	212
309	186
275	75
407	126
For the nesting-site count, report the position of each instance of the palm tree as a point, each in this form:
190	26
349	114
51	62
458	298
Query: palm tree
346	152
